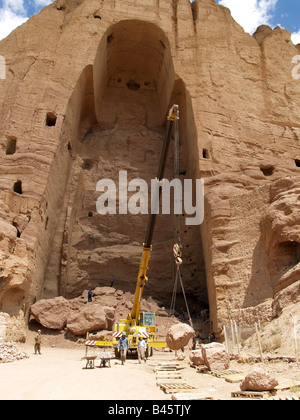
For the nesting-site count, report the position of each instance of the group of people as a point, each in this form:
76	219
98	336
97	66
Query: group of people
123	347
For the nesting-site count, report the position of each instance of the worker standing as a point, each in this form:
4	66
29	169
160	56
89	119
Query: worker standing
123	347
142	349
90	296
38	342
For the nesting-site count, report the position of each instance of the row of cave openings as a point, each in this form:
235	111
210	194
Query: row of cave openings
11	148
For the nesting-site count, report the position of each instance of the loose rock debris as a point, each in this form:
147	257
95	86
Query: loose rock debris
10	352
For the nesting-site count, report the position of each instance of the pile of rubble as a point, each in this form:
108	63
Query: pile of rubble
9	352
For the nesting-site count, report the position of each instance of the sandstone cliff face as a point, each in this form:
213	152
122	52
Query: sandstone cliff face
88	88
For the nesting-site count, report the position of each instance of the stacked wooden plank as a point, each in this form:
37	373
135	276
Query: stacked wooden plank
253	394
169	379
229	375
194	396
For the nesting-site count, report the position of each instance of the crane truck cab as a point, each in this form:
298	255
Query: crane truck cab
145	328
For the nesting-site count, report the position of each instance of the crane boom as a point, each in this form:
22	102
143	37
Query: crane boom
147	247
137	322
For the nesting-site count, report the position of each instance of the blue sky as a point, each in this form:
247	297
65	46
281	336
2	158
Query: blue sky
248	13
252	13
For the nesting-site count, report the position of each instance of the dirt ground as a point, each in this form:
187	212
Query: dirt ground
60	374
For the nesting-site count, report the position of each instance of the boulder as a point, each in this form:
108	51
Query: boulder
179	336
196	357
110	316
215	356
103	291
89	319
51	313
258	380
107	300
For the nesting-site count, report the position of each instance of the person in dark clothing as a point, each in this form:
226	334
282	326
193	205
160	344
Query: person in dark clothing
123	347
90	296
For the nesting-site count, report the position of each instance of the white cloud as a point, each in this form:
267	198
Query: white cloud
14	12
16	6
296	37
42	3
251	13
9	20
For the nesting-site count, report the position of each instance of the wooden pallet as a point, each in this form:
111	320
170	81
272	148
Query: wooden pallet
285	398
160	382
168	372
173	388
165	369
192	365
224	373
169	378
168	367
168	364
202	369
253	394
190	396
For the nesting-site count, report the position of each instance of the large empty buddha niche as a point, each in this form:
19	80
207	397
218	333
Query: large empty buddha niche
133	86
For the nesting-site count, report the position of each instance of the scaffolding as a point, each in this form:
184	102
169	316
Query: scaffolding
244	341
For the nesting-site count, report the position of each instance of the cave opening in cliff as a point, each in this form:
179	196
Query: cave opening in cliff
289	254
11	146
205	154
51	119
267	170
121	106
17	188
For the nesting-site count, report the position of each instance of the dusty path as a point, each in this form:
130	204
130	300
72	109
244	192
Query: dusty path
60	374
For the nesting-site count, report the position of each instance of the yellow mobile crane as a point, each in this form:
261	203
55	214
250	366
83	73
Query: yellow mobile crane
143	323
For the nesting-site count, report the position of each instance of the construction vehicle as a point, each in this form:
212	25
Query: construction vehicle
143	323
